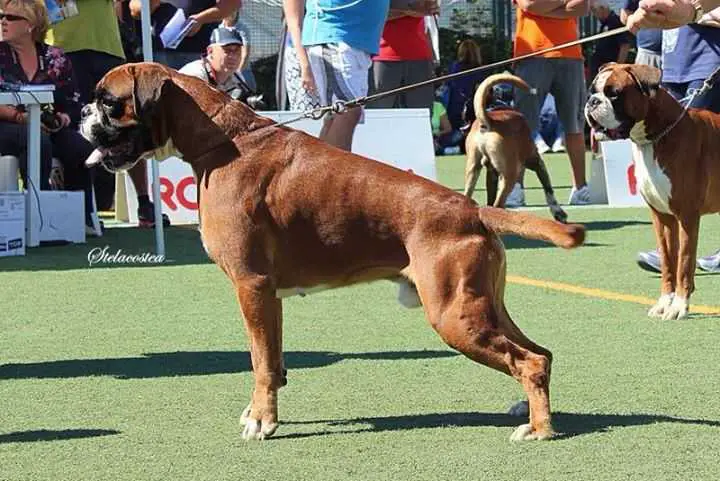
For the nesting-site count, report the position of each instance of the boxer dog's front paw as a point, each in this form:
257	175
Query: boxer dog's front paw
678	309
245	415
662	305
525	432
259	429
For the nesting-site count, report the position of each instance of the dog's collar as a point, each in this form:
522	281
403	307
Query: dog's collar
639	135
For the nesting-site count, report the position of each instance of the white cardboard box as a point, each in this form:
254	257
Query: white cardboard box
620	180
12	224
61	216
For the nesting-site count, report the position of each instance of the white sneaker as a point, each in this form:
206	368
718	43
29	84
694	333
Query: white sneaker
710	263
649	261
516	197
558	145
541	145
580	196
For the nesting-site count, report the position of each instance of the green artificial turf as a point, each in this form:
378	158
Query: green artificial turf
141	372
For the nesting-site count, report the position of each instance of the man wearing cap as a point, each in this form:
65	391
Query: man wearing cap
218	66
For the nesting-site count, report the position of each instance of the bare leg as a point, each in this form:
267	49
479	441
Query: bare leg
575	145
341	129
138	176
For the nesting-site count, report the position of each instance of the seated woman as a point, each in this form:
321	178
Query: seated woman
26	59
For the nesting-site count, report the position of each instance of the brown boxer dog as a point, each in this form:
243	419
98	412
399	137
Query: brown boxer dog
677	165
282	212
500	140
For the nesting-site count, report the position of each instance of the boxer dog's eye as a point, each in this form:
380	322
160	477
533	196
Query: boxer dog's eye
612	94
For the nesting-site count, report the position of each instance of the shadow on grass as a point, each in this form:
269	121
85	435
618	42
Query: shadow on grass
54	435
612	224
567	425
515	242
201	363
183	247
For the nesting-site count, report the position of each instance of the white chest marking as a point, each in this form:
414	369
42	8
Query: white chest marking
653	184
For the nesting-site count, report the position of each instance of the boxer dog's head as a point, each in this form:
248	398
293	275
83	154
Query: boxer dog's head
620	96
124	122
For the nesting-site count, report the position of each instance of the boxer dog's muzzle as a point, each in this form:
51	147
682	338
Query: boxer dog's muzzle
121	122
618	99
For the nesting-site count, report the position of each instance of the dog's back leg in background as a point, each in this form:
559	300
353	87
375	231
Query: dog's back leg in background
537	165
473	166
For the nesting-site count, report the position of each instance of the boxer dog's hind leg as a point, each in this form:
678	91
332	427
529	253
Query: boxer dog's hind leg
537	165
263	320
505	186
491	184
473	166
461	305
666	235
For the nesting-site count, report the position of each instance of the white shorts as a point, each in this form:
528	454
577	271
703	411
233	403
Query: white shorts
340	71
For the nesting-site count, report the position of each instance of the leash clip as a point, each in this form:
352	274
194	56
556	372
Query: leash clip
340	107
317	113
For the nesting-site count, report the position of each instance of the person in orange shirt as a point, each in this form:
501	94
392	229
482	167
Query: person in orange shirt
543	24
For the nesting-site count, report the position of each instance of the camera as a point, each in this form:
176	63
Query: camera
49	118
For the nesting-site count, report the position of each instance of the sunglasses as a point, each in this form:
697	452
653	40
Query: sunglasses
11	18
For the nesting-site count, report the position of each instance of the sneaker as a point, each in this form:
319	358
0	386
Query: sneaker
649	261
710	263
94	227
516	197
558	145
580	196
146	216
454	150
541	145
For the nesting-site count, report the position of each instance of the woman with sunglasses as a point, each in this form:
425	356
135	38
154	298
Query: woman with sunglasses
26	59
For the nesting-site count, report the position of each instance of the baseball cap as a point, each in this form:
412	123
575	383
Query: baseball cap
225	36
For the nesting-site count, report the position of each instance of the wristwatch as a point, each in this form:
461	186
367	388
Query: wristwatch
699	11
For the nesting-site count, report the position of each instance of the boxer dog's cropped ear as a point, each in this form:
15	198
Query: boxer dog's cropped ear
606	66
646	78
148	87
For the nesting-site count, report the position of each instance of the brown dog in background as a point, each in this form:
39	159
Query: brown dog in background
501	141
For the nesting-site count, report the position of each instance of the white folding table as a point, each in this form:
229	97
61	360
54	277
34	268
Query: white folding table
32	98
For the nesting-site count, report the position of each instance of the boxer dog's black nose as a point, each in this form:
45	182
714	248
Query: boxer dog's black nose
593	102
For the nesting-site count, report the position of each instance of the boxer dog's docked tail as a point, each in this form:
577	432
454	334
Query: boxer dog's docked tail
502	221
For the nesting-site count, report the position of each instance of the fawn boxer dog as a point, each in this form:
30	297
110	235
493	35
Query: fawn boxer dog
500	140
677	164
282	212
